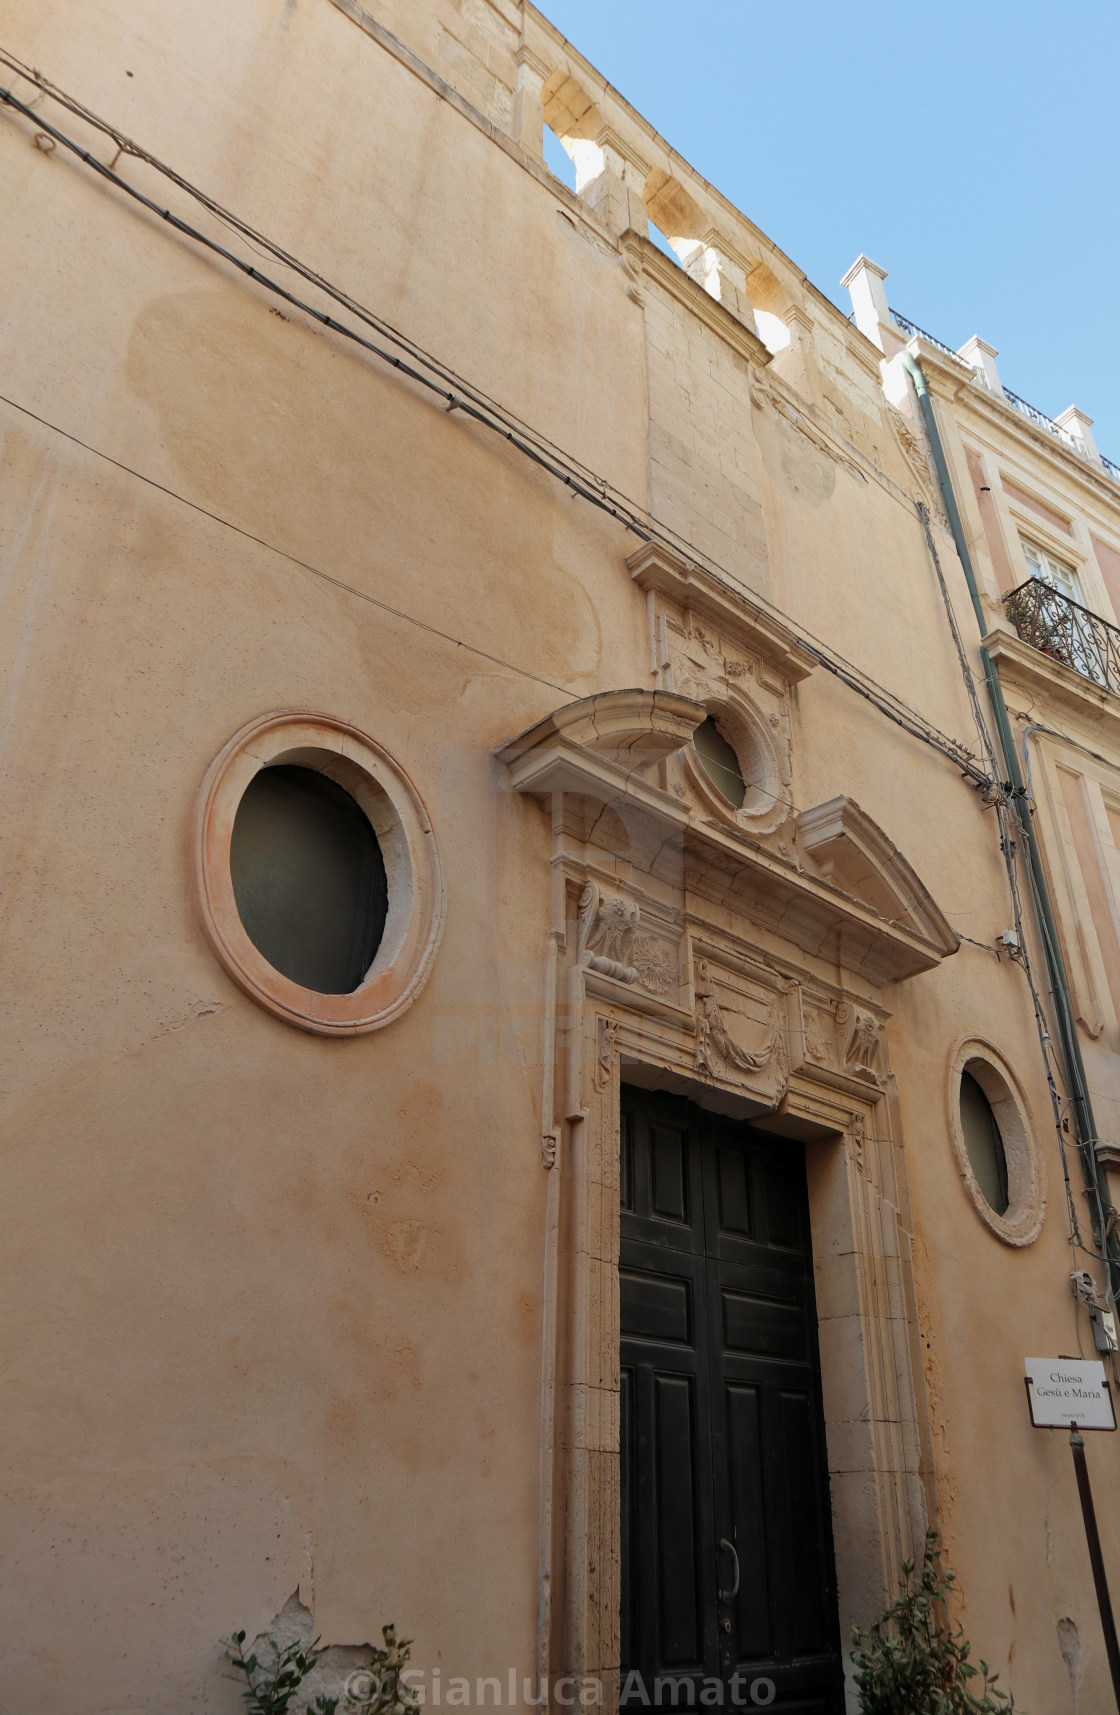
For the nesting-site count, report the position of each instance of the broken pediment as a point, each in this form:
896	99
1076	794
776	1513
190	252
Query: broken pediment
853	853
631	728
859	905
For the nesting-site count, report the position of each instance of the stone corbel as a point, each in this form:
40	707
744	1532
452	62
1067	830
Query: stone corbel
797	363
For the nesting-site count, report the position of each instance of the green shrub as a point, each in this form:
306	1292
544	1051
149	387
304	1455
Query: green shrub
273	1678
913	1662
271	1683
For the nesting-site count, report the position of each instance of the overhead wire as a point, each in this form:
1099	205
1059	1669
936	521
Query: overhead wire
461	396
1009	849
295	560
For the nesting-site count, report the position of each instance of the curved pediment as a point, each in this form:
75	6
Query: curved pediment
631	728
851	850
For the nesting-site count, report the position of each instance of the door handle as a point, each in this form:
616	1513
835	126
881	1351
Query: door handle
726	1595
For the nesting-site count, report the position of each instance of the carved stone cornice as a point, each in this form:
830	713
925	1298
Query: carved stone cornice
634	727
810	912
955	382
654	566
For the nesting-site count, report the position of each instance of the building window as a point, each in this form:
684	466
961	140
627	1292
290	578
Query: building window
1054	572
319	878
993	1138
983	1143
308	878
719	762
734	762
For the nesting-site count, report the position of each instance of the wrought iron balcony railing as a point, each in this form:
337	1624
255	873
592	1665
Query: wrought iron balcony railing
1057	626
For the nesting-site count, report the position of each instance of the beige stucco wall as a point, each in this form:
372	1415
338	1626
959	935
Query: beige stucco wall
273	1302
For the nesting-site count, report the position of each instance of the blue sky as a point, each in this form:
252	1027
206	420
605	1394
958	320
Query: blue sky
970	149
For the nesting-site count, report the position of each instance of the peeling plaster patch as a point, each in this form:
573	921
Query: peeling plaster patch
1074	1655
295	1623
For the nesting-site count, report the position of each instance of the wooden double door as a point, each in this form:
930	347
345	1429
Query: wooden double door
727	1563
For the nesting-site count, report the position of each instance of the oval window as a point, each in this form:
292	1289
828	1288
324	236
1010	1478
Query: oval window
719	762
308	878
983	1144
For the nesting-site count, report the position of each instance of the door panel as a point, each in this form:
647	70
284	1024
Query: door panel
743	1417
680	1626
722	1432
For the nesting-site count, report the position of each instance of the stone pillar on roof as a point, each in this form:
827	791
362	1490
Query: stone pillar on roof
1079	428
528	111
981	357
611	178
720	270
864	281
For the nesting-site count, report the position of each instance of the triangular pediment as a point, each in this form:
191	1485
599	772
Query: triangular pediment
851	851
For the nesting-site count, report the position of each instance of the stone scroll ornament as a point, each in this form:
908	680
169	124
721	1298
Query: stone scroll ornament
611	943
715	1049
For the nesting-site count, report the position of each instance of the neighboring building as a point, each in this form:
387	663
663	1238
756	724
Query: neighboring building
525	1116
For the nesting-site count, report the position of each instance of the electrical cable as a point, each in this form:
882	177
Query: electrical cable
458	395
1008	848
294	559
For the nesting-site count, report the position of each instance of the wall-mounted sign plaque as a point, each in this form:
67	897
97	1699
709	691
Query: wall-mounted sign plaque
1068	1390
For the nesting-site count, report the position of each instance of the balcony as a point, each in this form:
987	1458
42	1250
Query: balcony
1057	626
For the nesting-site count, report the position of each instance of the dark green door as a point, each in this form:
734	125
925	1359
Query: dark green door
727	1566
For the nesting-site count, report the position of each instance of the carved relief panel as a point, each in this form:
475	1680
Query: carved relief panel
742	1029
614	941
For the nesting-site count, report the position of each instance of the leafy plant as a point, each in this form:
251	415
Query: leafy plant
271	1684
387	1696
913	1662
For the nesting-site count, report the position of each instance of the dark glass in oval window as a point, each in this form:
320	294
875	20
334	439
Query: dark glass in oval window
308	878
719	762
983	1144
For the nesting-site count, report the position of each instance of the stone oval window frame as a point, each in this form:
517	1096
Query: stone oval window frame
417	896
765	804
1026	1172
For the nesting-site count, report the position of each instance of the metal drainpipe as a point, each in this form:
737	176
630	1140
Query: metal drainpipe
1092	1168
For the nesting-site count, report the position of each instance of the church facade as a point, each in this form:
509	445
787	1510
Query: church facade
560	1065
